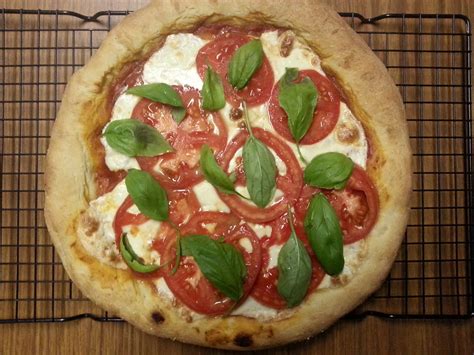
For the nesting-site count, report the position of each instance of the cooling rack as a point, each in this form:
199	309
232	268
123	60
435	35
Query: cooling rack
429	57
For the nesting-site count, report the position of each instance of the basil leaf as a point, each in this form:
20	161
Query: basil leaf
260	171
162	93
329	171
159	92
294	269
213	98
147	194
299	101
133	260
324	233
213	172
178	113
244	63
221	263
134	138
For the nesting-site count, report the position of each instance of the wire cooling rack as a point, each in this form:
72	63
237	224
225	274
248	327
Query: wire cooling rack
429	57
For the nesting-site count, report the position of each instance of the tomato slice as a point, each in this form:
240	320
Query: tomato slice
191	287
290	183
215	224
357	205
183	204
326	114
265	289
125	218
179	169
218	53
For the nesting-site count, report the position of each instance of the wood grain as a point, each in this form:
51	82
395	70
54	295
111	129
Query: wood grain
369	336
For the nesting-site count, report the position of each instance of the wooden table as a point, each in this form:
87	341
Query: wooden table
371	335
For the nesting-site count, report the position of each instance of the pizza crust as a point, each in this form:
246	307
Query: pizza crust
372	97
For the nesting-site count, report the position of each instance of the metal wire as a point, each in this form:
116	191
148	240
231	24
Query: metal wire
429	57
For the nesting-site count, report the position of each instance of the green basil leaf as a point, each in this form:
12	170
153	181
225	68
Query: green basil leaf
213	98
178	113
299	101
244	63
213	172
221	263
329	171
159	92
134	138
260	171
147	194
294	270
132	259
325	235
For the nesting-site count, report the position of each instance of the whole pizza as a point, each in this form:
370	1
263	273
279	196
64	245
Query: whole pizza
229	174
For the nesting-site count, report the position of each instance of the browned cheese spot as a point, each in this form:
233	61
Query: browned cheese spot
90	224
287	42
157	317
347	133
243	340
235	114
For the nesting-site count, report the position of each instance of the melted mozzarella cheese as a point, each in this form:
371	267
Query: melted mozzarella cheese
102	243
301	56
261	230
175	62
208	198
273	251
141	238
253	309
232	126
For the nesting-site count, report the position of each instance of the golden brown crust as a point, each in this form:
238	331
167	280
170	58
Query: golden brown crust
372	96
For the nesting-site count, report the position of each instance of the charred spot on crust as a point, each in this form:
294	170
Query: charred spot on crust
243	340
157	317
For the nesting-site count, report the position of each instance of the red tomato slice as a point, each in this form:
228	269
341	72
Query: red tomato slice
192	288
356	206
215	224
325	115
265	290
290	183
125	218
180	169
218	53
183	204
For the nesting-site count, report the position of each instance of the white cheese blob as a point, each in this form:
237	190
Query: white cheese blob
274	251
261	230
141	238
100	241
253	309
175	62
208	198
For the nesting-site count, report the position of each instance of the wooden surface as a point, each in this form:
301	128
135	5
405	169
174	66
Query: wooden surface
371	335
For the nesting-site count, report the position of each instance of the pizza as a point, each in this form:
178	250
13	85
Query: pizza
229	174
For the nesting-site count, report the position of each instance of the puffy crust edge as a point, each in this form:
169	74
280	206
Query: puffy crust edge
372	96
